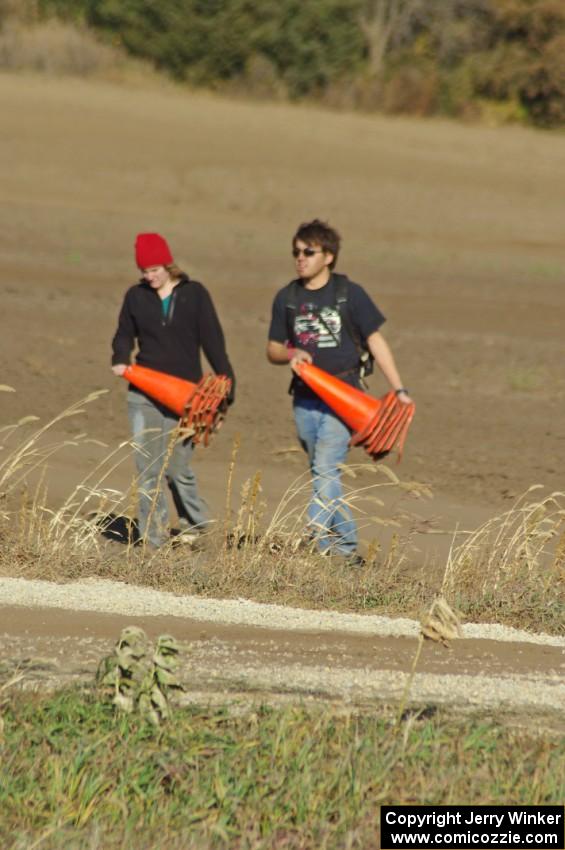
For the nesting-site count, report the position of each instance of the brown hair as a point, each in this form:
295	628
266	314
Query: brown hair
317	232
175	271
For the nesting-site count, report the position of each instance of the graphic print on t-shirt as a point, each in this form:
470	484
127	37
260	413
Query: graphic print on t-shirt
311	332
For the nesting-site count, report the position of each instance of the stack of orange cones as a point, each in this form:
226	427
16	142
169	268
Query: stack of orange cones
379	424
201	407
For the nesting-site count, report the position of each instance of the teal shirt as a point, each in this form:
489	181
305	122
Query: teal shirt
165	305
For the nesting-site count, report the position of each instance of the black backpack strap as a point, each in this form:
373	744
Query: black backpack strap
291	305
341	285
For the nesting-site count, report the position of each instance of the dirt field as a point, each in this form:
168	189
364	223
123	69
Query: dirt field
456	231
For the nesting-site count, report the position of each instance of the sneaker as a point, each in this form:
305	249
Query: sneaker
351	559
307	542
187	537
356	561
240	541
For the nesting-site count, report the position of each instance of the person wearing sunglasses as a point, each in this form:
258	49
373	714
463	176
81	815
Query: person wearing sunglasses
322	317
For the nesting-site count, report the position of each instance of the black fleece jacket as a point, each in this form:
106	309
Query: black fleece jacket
172	343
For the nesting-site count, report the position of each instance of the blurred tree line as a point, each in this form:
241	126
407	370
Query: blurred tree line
497	59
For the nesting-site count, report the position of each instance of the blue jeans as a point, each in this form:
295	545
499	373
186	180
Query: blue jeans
325	439
152	428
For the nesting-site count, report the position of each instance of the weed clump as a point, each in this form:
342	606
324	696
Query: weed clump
514	563
140	679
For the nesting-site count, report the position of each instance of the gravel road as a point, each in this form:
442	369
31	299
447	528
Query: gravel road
57	633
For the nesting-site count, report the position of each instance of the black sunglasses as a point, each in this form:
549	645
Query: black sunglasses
308	252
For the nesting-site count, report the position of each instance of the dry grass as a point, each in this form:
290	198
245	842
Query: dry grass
509	570
30	41
514	562
41	532
53	47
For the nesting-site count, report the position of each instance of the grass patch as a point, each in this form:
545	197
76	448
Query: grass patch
74	774
525	379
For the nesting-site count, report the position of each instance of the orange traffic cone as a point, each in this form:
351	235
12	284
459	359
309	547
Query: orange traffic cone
378	424
200	406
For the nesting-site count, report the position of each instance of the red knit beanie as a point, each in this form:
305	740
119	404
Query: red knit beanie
152	250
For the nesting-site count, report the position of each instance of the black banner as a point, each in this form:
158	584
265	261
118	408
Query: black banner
478	827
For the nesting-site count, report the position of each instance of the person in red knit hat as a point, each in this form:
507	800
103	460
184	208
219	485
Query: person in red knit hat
152	250
172	320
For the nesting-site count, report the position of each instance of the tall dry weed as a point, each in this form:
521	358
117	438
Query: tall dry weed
32	529
511	569
515	560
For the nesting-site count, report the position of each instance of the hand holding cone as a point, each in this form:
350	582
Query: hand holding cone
378	424
201	406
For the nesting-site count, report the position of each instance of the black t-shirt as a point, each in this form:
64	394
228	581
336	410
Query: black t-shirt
318	327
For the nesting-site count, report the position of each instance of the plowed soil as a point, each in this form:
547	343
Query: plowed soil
457	233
